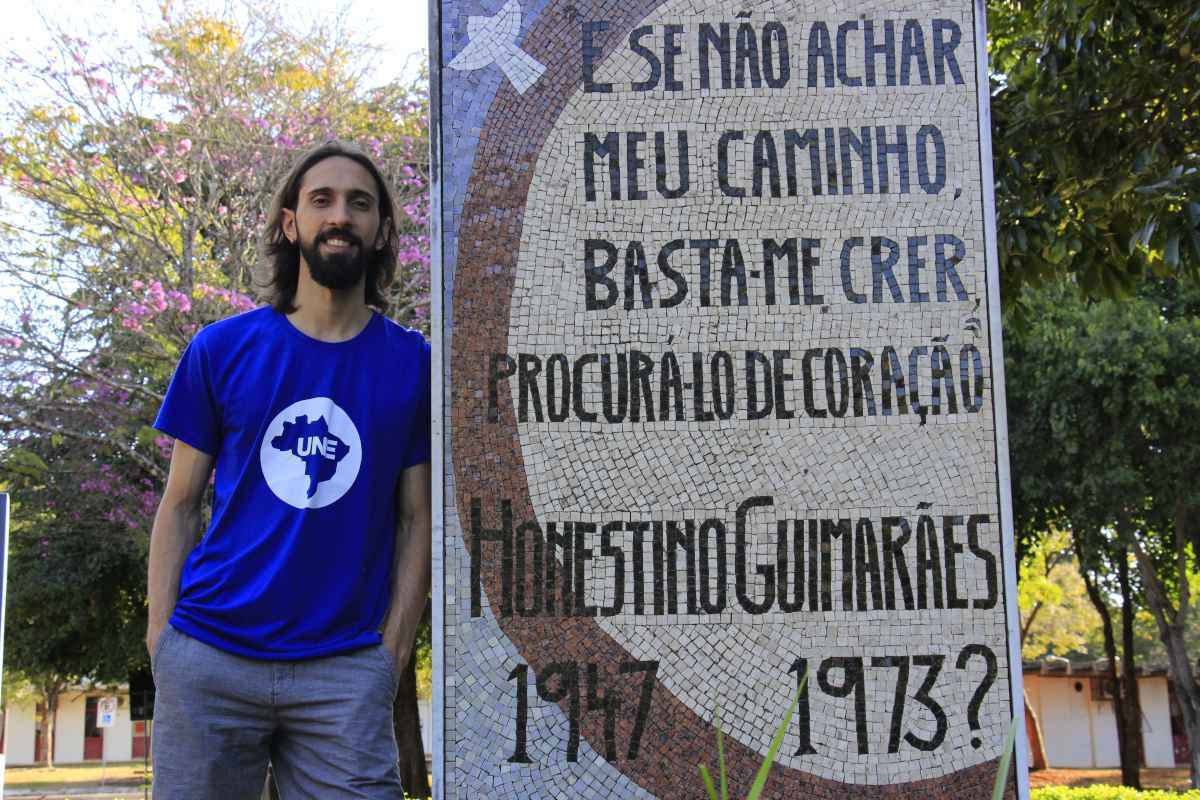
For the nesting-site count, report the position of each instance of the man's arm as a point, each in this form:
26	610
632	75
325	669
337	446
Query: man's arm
175	532
412	566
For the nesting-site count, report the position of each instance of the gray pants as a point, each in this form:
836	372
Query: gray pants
325	724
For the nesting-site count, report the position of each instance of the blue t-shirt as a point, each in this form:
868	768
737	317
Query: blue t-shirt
309	439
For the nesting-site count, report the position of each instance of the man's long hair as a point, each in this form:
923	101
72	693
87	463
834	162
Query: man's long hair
282	256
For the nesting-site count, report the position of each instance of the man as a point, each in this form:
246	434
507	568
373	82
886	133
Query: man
279	635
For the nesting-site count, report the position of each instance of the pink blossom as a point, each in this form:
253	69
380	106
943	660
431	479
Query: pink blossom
156	297
180	176
12	342
183	146
160	127
164	445
180	300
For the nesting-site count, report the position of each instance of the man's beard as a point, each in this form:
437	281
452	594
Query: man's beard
339	271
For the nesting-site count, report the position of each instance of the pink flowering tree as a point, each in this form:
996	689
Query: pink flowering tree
133	188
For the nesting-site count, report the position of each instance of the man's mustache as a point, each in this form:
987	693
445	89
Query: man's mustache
338	234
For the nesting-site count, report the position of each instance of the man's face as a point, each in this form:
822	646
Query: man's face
336	222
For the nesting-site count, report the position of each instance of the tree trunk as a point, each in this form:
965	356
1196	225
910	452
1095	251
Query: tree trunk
1186	694
1033	734
50	694
1110	646
407	720
1131	711
1171	623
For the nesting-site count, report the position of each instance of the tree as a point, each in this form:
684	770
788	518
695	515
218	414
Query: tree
1096	135
1056	615
76	596
1106	443
141	179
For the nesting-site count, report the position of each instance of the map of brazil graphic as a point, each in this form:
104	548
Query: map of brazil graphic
311	453
312	443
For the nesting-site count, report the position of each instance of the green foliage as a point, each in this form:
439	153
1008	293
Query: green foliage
1096	131
1104	425
1108	793
1104	416
1147	641
76	595
764	770
1056	616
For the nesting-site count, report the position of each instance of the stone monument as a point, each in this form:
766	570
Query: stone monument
722	400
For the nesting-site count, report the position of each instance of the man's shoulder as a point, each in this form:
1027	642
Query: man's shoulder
224	333
404	341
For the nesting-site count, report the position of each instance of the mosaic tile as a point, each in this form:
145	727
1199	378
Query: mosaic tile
718	399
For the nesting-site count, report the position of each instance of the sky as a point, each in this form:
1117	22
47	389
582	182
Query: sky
400	26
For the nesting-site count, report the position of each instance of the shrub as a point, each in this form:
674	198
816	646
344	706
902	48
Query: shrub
1109	793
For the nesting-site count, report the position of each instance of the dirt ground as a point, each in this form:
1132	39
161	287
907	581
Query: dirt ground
1176	779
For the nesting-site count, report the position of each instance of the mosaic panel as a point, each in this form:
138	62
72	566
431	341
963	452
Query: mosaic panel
722	400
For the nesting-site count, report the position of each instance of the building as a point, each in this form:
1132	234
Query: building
1073	705
77	738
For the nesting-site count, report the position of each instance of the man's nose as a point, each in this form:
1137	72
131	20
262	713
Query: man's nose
339	214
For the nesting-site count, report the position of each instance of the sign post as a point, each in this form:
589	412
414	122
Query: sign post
106	717
106	712
721	400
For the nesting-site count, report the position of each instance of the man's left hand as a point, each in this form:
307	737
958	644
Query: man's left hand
399	653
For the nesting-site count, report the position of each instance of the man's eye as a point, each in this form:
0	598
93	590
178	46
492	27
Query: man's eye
362	204
319	201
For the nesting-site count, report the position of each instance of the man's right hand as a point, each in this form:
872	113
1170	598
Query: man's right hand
153	631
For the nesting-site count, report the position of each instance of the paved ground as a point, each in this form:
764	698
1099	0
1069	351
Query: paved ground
1176	779
80	793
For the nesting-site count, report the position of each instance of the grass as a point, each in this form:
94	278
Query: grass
1110	793
120	773
1176	779
760	779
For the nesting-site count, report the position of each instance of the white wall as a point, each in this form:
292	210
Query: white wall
68	728
1156	722
18	735
68	732
1081	733
118	740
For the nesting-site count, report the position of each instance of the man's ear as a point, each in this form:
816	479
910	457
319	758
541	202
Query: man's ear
383	234
288	223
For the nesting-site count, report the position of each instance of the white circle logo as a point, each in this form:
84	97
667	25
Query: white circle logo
311	453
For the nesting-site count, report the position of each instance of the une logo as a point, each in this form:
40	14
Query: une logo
311	453
312	445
